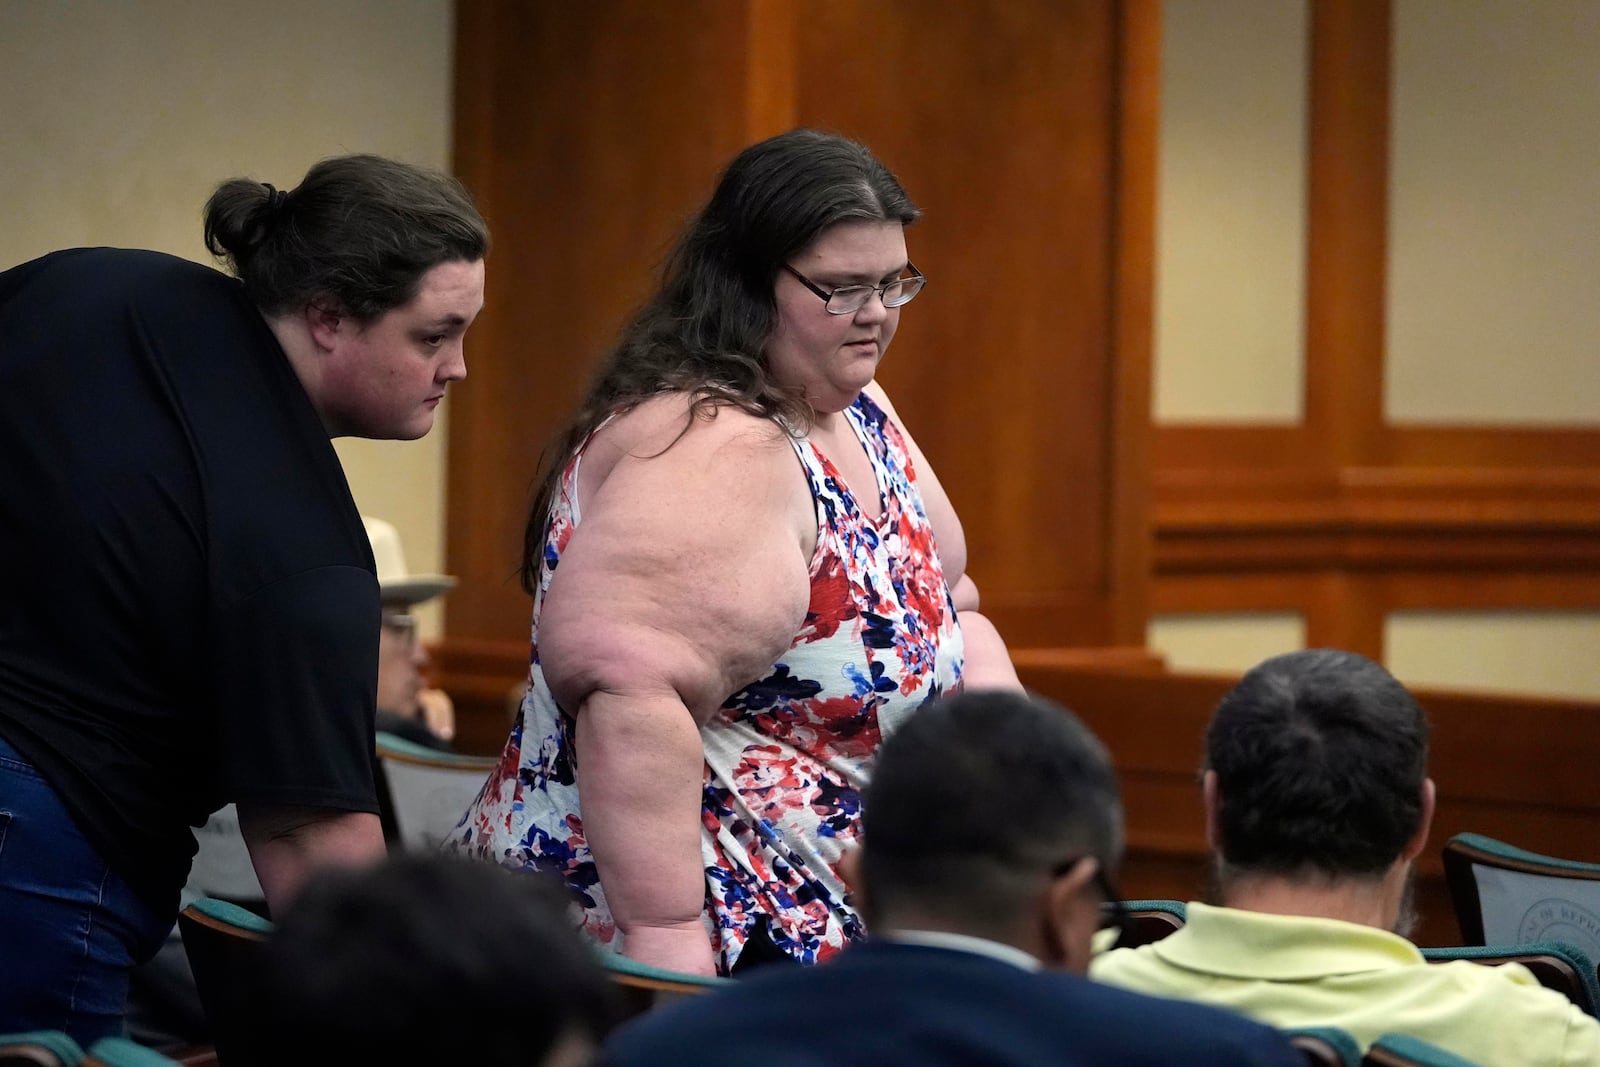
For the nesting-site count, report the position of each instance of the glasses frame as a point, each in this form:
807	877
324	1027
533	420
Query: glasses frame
827	295
1111	909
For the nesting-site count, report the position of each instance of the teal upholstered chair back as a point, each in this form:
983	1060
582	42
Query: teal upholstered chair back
424	791
643	987
1504	895
1144	921
39	1048
224	943
1325	1046
1403	1050
120	1052
222	867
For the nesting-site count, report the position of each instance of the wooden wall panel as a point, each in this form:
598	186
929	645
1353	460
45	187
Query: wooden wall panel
574	140
1138	104
1347	224
1345	518
1003	369
1024	129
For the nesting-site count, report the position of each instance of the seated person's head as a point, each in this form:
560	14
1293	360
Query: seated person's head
433	959
1316	770
994	814
406	705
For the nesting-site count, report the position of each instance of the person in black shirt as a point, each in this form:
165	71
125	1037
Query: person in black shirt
188	608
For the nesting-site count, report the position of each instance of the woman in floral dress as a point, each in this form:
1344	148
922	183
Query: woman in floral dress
744	573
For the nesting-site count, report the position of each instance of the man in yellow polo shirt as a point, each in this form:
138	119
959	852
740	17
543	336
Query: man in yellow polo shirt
1317	802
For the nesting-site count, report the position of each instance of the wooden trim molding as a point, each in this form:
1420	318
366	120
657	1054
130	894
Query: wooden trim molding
1347	202
1345	518
1517	502
1137	83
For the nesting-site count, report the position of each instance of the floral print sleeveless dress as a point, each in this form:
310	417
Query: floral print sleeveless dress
787	756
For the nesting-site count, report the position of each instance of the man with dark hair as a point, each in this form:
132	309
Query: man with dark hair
990	829
1317	802
427	958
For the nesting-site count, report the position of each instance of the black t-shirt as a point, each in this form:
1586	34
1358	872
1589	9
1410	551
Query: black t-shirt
188	605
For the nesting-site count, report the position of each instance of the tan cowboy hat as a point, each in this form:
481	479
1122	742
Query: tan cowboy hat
397	584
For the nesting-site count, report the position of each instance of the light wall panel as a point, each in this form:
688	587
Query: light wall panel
1493	306
1544	653
118	119
1224	642
1230	267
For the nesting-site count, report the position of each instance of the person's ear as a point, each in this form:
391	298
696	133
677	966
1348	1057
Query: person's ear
1069	916
323	321
1210	798
1419	840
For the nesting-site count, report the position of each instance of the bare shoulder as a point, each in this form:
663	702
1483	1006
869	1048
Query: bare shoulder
668	435
689	570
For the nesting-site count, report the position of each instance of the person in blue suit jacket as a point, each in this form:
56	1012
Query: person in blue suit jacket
990	830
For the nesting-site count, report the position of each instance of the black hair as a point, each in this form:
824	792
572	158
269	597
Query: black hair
429	958
979	798
359	231
1320	756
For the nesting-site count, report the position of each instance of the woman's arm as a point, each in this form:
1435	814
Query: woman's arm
685	580
641	769
988	663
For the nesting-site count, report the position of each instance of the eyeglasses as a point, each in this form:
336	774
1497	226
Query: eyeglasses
402	626
849	299
1112	914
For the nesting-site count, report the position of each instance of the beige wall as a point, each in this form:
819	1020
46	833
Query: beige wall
1494	244
1230	212
118	117
1230	642
1548	652
1493	311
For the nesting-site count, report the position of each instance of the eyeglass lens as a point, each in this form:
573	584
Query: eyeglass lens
854	297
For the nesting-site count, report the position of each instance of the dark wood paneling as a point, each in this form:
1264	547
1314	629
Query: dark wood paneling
1004	368
588	133
485	680
1461	525
1457	517
1133	318
1025	129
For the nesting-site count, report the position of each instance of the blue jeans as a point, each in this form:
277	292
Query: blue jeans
70	929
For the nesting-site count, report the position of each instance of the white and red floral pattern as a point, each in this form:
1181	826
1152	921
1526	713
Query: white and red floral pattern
786	757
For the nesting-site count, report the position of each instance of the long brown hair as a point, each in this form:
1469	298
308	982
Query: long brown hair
705	331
